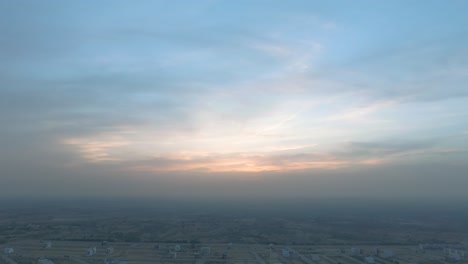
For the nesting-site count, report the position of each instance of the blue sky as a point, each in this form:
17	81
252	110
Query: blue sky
141	93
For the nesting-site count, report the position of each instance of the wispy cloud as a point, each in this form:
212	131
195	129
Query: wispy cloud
242	163
168	156
296	86
361	113
98	150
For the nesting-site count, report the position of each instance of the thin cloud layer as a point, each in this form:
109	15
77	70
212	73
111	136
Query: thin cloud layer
145	90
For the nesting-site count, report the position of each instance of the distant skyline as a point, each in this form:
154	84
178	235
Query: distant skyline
234	99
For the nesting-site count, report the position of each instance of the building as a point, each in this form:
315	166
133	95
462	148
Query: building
44	261
8	250
114	261
455	254
177	247
173	255
355	251
441	246
387	253
369	260
91	251
109	250
285	252
47	244
205	250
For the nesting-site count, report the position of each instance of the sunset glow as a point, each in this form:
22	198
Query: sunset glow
158	94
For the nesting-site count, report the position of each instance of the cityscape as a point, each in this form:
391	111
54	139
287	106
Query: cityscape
234	131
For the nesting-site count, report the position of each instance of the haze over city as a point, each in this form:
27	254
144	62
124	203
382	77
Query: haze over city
240	100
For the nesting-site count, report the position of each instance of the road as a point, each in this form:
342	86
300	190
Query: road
79	260
304	259
8	259
257	257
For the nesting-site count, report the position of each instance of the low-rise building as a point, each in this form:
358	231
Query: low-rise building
355	251
109	250
205	250
369	260
455	254
315	257
44	261
91	251
114	261
47	244
387	253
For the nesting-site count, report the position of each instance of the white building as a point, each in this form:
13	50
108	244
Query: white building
109	250
205	250
114	261
369	260
455	254
8	250
388	253
285	252
355	251
91	251
47	244
44	261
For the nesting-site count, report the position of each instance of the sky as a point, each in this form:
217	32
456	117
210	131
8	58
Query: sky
234	99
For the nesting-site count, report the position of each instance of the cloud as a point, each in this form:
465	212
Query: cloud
86	95
97	151
385	150
129	154
360	113
241	163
